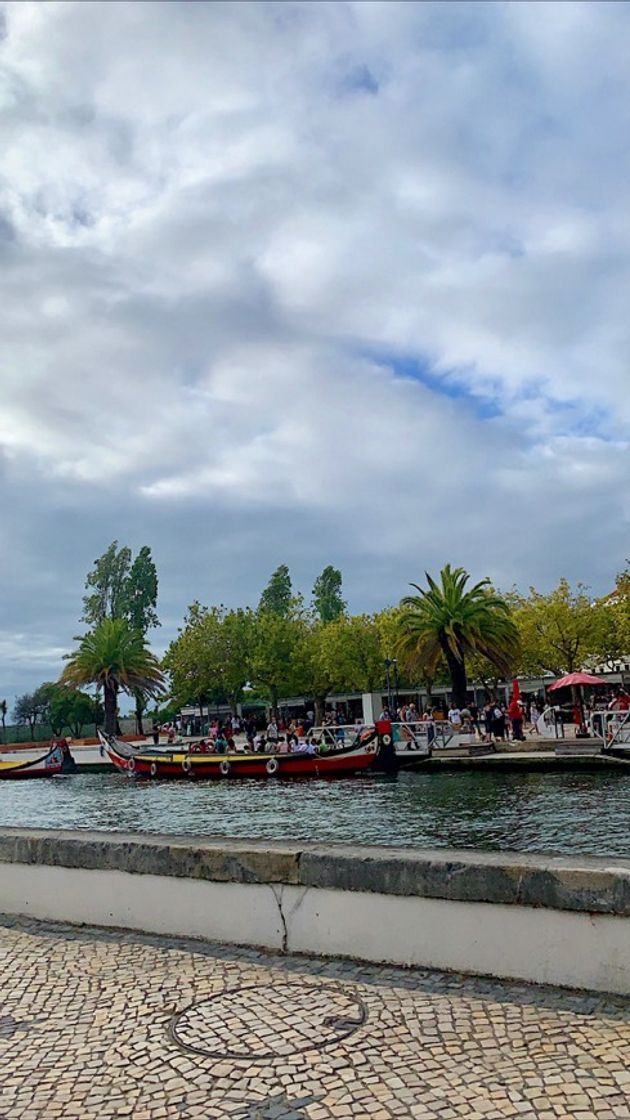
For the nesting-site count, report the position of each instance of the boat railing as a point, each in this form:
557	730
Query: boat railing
338	735
423	735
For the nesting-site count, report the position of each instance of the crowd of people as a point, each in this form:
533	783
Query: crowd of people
250	733
492	722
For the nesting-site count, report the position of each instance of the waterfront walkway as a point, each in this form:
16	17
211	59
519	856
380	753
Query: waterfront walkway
97	1024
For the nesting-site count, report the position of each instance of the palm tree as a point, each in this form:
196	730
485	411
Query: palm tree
116	658
447	621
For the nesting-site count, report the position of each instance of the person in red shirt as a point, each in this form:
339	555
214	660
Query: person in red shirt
515	716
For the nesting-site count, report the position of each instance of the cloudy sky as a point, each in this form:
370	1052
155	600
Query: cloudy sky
309	283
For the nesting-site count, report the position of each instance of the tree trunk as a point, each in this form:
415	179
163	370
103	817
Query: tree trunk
110	696
273	692
320	707
457	673
139	710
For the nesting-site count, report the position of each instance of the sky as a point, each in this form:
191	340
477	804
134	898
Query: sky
309	283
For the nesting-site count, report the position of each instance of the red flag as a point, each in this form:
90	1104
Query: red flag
516	690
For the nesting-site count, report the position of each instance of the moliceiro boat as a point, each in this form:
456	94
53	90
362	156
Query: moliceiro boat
45	766
312	762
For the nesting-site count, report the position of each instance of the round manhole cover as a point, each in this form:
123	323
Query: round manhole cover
268	1021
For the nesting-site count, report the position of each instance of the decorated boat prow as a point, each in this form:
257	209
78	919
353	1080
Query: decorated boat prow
46	766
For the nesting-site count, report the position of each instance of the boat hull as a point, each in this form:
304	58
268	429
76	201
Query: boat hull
46	766
181	765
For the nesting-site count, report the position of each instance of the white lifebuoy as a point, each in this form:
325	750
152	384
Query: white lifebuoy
386	740
186	765
224	767
153	769
272	766
131	765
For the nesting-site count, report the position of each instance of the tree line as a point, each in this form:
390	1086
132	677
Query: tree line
449	632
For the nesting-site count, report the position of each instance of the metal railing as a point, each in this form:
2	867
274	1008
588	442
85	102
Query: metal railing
612	726
431	734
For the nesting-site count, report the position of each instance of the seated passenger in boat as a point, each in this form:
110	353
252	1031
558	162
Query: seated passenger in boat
283	746
220	743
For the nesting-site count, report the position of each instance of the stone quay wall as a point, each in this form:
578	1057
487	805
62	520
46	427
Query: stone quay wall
546	919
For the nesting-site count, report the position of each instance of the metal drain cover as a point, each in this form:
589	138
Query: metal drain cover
268	1021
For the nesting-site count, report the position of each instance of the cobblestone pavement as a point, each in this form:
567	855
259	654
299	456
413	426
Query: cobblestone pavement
97	1024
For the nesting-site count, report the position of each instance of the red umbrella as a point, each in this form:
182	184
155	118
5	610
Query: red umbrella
576	679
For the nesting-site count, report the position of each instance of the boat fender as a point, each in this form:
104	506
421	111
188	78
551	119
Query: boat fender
224	767
186	765
131	765
272	766
386	740
153	769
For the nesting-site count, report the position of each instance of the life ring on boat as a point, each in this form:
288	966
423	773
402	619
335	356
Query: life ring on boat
272	766
153	769
224	768
386	740
131	765
186	765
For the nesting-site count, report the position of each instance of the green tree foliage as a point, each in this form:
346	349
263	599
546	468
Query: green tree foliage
116	658
106	586
277	597
141	592
29	709
617	613
120	589
68	708
353	652
274	646
446	621
327	601
564	630
312	667
210	660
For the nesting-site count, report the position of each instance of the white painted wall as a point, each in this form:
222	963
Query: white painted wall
230	912
578	950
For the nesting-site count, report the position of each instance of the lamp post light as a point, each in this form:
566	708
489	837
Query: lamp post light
396	698
389	661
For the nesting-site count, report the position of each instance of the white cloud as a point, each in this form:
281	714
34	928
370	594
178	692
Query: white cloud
226	229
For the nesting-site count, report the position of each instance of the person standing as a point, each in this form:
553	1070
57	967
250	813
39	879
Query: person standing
455	718
515	716
498	722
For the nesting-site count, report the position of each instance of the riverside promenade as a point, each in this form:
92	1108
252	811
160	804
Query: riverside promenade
99	1024
185	978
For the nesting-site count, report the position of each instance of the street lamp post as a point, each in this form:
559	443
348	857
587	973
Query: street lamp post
389	661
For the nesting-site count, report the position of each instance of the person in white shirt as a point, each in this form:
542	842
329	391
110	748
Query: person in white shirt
455	718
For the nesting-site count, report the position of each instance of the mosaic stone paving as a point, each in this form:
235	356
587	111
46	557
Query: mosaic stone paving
96	1025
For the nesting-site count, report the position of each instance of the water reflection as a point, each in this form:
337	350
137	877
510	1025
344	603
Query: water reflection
524	812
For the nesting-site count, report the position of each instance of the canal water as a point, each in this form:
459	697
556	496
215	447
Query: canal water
561	812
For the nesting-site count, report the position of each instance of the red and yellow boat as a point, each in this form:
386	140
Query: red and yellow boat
177	763
45	766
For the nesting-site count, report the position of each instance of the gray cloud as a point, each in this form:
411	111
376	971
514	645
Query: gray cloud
228	230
